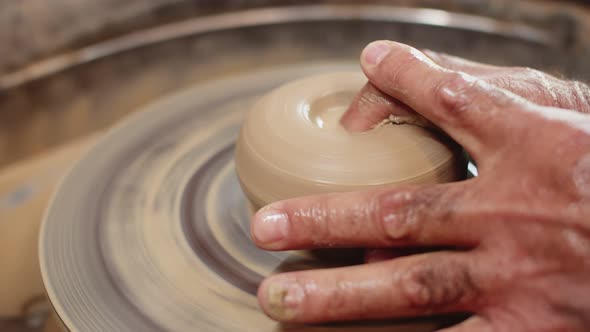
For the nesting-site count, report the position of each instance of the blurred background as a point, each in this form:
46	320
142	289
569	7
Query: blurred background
70	69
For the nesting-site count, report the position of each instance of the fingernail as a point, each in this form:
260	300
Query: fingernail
270	226
284	299
375	52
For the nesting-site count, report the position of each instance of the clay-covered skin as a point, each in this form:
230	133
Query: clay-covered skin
522	225
292	144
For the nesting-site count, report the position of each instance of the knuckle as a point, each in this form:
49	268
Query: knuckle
456	92
370	103
524	71
418	286
366	98
403	214
464	99
396	216
526	74
431	285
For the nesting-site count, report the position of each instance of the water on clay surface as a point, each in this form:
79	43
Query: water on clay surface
325	112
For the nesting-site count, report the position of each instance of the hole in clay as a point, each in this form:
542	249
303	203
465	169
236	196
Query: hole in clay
326	111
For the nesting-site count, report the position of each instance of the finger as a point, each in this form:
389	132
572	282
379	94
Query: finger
468	109
369	107
472	324
531	84
427	284
408	216
459	64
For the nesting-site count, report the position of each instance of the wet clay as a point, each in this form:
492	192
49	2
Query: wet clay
292	144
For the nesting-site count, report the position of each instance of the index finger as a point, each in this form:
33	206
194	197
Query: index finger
468	109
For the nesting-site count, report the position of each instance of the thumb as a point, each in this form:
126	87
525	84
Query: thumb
466	108
371	106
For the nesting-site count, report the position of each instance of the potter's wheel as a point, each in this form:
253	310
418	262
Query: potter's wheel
150	231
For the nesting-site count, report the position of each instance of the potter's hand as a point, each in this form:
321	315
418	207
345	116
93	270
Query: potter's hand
371	105
523	225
